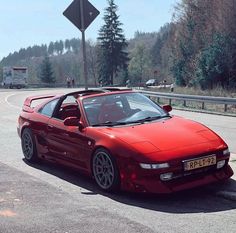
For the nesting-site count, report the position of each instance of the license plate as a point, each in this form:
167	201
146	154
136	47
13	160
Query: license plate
199	163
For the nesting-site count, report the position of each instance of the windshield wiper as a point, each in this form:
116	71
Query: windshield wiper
109	123
147	119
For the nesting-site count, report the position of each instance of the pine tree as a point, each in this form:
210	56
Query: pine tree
61	47
67	45
112	56
46	72
75	45
51	48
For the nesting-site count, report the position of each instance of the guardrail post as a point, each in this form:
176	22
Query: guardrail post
225	108
158	99
184	103
169	101
203	105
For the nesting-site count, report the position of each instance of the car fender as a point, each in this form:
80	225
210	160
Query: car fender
122	153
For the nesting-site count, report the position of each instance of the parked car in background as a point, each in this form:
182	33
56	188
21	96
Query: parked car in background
150	82
122	139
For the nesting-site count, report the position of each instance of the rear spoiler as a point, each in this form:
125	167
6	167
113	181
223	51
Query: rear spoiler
28	101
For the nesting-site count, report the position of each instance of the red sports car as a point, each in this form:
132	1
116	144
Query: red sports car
124	140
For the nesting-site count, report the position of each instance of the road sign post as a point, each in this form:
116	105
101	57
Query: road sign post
82	13
84	45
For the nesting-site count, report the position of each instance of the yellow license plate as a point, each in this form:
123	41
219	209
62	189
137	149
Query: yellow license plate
199	163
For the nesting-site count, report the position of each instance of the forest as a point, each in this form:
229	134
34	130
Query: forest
197	49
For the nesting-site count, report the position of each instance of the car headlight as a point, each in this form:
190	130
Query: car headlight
154	165
226	151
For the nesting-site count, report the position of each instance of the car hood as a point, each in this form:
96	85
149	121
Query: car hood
169	134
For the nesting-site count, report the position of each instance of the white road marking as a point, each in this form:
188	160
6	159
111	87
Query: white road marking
10	104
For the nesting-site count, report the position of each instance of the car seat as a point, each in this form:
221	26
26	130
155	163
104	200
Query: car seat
110	111
69	111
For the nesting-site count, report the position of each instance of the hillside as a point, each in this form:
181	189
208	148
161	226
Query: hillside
198	49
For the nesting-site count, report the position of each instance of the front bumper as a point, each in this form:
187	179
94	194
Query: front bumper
152	183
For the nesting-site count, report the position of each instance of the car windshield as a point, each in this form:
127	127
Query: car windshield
121	109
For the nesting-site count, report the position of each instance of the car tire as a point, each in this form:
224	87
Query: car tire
28	146
105	171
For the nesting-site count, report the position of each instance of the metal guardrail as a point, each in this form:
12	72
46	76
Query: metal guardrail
193	98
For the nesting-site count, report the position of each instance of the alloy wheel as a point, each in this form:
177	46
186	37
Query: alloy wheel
27	145
103	170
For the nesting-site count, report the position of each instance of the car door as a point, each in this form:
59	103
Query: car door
67	143
40	126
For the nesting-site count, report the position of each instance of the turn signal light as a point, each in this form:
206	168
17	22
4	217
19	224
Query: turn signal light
226	152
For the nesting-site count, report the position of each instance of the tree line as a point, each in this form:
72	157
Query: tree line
54	48
198	48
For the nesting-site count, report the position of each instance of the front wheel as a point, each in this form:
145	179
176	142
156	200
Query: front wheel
28	146
105	170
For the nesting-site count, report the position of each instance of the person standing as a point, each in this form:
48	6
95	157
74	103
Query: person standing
73	82
68	81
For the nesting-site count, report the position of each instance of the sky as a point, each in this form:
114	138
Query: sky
25	23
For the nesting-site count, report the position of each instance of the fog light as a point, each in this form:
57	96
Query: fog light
166	176
220	164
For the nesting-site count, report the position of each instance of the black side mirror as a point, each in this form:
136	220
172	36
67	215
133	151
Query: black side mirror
167	108
73	121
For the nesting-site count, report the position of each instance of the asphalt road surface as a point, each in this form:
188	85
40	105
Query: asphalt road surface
51	198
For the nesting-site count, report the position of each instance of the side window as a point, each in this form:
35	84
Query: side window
49	108
70	99
69	108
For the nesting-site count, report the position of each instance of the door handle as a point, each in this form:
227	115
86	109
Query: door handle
50	127
65	134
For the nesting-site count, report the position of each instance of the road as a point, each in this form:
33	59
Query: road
50	198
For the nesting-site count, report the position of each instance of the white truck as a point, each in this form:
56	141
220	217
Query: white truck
15	77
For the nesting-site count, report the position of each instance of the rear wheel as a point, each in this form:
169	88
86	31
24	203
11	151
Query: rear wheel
105	170
28	146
